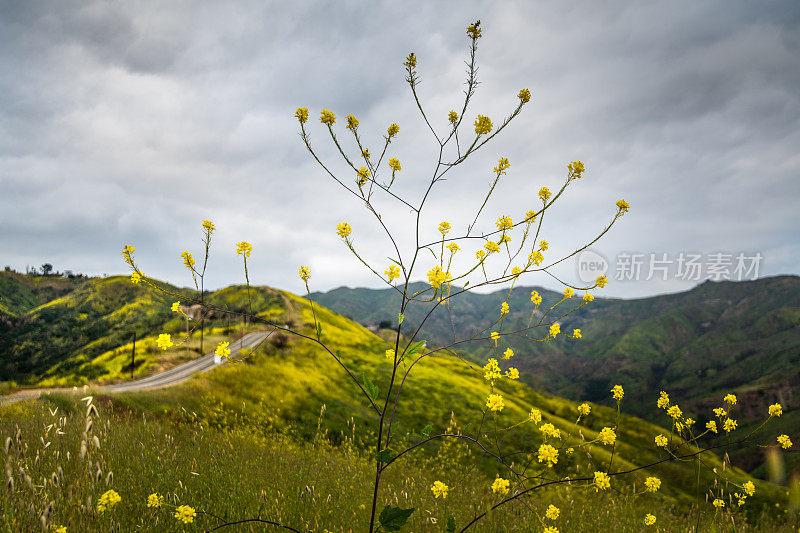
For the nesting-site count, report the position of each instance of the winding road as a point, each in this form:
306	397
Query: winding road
168	378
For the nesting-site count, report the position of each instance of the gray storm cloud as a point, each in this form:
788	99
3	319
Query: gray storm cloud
131	122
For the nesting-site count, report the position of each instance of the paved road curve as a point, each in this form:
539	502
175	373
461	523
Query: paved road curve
167	378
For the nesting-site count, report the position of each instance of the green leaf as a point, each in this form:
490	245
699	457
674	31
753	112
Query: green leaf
426	431
400	318
319	330
385	455
395	262
451	524
416	347
393	518
372	390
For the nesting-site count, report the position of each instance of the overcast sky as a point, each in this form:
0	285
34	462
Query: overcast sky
130	122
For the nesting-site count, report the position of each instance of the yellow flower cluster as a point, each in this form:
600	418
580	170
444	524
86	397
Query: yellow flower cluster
305	273
504	238
491	371
602	281
535	416
444	227
504	222
548	454
712	426
302	114
439	489
663	400
392	273
649	519
127	250
452	116
107	500
188	259
474	31
502	166
352	122
536	298
576	169
524	95
543	245
185	514
208	226
652	484
393	130
545	194
327	117
785	441
607	436
164	341
576	333
730	399
569	292
601	481
483	125
176	307
775	409
588	297
504	308
675	412
453	247
501	486
136	278
495	402
623	206
223	350
617	392
362	176
552	512
661	441
718	503
437	276
584	409
555	329
729	425
244	248
512	373
508	354
343	229
411	60
491	247
394	164
155	500
549	430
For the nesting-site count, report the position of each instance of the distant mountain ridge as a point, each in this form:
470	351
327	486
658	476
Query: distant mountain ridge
716	338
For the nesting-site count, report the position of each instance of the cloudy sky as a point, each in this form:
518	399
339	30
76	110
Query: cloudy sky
130	122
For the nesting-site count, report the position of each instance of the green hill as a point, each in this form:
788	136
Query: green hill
741	337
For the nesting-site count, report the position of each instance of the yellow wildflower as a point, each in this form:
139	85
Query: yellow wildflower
512	373
544	245
504	238
176	307
453	247
718	503
602	281
607	436
536	258
188	259
588	297
652	483
548	454
730	399
775	409
390	353
617	392
411	60
127	250
549	430
569	293
601	481
504	308
712	426
502	165
785	441
501	486
452	116
223	350
393	130
301	114
576	168
663	400
491	247
729	425
524	95
649	519
675	412
508	354
495	335
483	125
164	341
439	489
352	122
576	333
437	276
136	278
208	226
495	402
550	529
343	230
394	164
504	223
155	500
530	216
749	488
185	514
365	153
623	206
720	412
552	512
536	298
545	194
444	227
327	117
363	176
584	409
480	254
109	499
392	273
535	416
555	329
661	441
491	370
244	248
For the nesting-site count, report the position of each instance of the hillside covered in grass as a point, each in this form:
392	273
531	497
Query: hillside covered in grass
717	338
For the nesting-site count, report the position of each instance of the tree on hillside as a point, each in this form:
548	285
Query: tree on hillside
46	269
